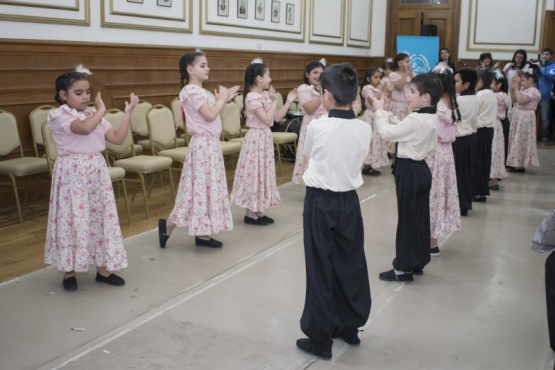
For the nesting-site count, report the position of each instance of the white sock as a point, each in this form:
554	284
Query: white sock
397	272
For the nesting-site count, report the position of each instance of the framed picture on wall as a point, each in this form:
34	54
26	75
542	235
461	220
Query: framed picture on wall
259	10
276	5
242	9
223	8
290	13
135	1
167	3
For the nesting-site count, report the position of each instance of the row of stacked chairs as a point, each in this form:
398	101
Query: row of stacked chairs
158	123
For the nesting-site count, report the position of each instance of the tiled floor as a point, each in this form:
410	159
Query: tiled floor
480	305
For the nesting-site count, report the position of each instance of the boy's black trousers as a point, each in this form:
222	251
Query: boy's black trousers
337	286
413	181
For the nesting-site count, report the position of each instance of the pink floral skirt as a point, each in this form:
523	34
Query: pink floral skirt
498	170
202	203
83	225
445	214
301	161
522	139
254	186
377	155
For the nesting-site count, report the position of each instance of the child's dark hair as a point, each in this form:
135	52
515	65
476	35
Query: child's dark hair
468	75
388	64
399	57
530	74
368	75
64	82
500	77
428	83
341	81
439	60
187	59
309	67
547	50
448	82
484	56
486	76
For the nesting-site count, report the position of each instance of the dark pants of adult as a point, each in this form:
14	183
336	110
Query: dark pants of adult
337	286
550	297
413	181
506	129
464	152
484	139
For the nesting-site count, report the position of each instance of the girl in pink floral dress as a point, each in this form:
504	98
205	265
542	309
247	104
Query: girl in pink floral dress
522	135
309	101
500	87
83	225
377	156
202	203
254	186
400	81
445	215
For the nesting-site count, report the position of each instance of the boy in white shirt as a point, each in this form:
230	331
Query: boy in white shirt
337	298
487	114
416	138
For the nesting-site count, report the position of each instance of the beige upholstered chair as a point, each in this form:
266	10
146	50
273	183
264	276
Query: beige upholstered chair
283	138
117	174
113	116
175	107
37	117
140	165
139	125
231	123
17	167
238	99
162	134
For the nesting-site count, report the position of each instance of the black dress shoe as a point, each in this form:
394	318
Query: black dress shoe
517	170
210	243
70	284
493	187
268	219
350	337
391	276
260	221
111	279
309	346
434	251
418	272
162	233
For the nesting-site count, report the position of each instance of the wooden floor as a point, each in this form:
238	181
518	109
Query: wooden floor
22	245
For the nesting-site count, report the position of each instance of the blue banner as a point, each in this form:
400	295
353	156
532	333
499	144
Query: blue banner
423	51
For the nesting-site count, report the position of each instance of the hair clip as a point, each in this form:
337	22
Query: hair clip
498	74
257	61
528	70
199	50
323	61
441	68
81	69
389	60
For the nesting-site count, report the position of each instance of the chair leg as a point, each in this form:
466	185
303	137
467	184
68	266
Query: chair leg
279	157
126	201
14	185
144	193
171	184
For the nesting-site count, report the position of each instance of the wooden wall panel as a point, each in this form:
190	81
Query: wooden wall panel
28	70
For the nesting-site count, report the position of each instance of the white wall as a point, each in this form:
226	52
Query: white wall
195	23
500	27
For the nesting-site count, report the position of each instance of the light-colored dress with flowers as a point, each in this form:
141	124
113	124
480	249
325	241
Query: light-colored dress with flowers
306	94
83	225
445	214
498	170
202	203
377	155
522	135
399	104
254	186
